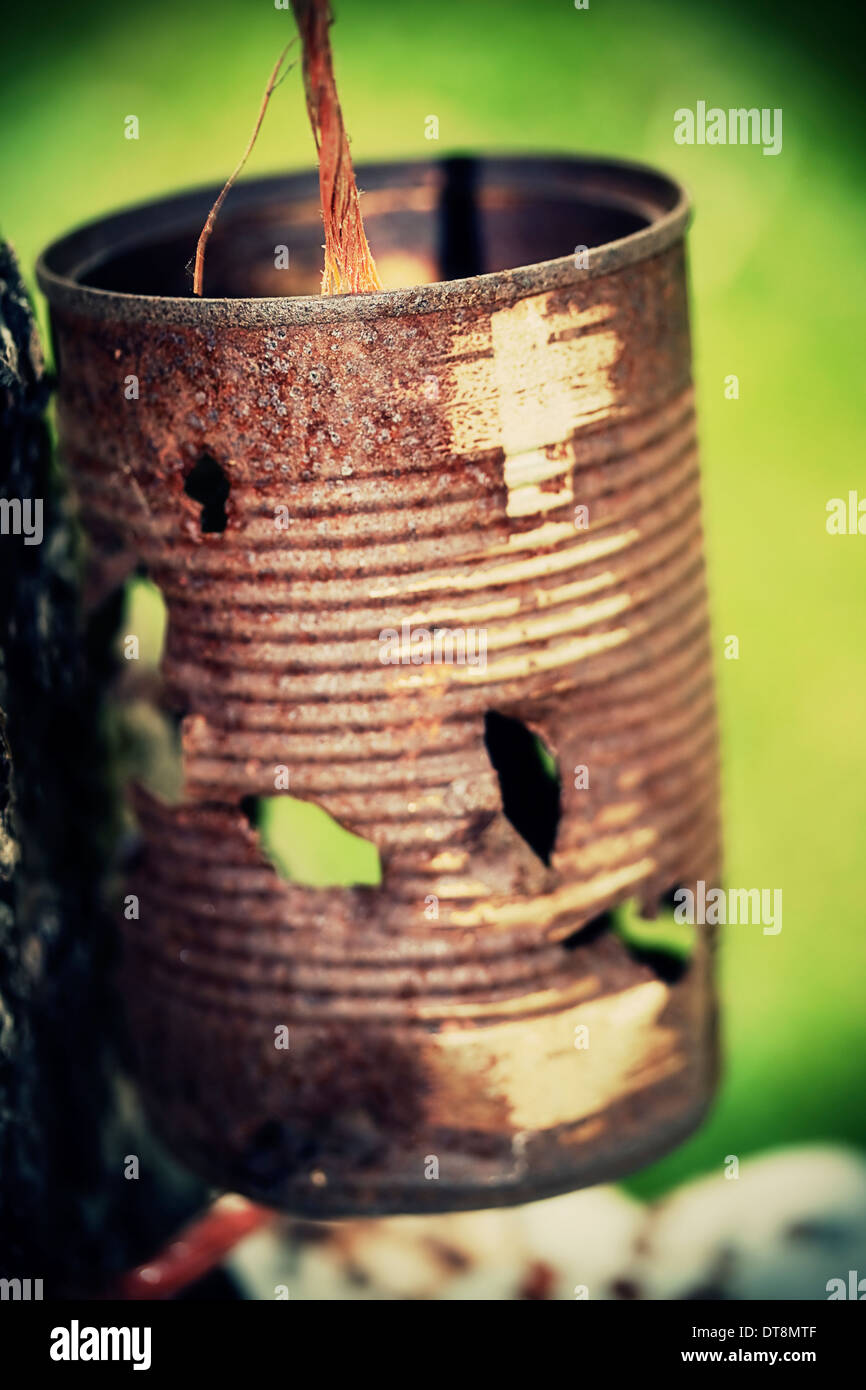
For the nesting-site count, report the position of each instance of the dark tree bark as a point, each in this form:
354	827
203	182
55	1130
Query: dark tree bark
68	1116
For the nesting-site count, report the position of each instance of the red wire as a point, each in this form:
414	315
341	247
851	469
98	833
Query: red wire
199	1248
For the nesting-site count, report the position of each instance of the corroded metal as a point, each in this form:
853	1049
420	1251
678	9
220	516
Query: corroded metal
433	446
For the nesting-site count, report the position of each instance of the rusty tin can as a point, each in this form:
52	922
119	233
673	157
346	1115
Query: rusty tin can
495	449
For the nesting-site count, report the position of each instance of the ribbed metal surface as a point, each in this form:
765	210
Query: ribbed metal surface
431	461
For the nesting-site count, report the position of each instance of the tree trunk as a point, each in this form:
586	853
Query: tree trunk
71	1211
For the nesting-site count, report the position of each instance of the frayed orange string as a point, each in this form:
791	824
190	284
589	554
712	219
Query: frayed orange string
198	274
349	266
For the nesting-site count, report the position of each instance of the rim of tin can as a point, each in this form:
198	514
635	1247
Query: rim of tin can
619	185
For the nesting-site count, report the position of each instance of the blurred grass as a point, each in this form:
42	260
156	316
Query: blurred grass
308	846
778	283
663	935
145	616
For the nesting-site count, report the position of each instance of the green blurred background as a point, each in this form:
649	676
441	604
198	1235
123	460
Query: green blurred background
777	265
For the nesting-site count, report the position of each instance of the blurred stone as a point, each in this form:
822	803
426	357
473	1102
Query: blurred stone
542	1250
791	1221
